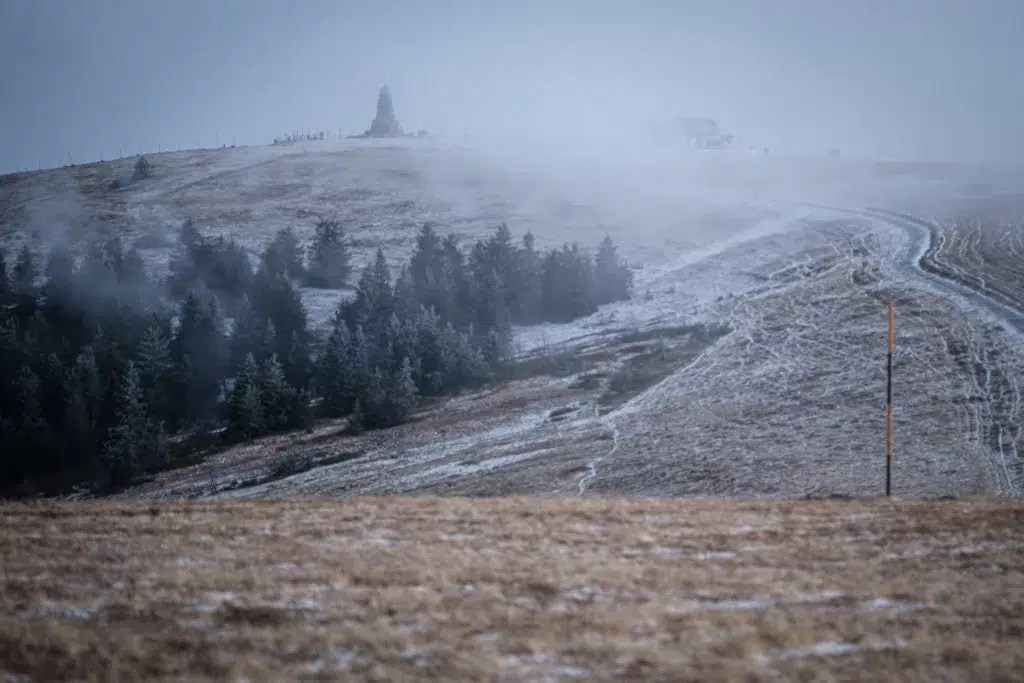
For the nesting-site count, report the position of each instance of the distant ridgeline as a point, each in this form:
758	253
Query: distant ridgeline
99	362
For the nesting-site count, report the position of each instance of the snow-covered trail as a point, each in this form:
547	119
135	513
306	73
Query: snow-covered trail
920	232
592	465
801	294
997	418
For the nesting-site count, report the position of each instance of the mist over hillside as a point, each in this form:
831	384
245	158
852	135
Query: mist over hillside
748	270
519	341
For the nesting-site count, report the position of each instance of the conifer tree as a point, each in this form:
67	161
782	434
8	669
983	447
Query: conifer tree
357	418
249	335
183	268
401	394
283	256
407	299
358	371
276	395
88	373
427	270
199	350
612	277
374	397
430	353
277	300
245	406
375	299
154	363
333	367
33	435
79	427
328	256
459	303
123	453
526	286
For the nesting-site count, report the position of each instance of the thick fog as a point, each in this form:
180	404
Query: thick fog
906	80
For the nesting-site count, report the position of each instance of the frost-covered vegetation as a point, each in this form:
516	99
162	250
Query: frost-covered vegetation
428	588
99	362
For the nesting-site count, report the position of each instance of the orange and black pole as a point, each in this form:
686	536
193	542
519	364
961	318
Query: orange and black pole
888	404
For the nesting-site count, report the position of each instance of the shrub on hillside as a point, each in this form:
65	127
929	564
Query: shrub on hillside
143	169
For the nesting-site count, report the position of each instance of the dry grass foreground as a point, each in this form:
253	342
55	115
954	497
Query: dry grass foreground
513	589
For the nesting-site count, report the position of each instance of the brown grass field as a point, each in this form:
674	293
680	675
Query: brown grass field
513	589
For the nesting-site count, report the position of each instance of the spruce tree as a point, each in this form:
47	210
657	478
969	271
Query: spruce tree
154	363
184	272
328	256
401	394
79	433
277	300
427	270
283	256
374	398
407	299
93	389
613	280
245	406
333	368
459	303
249	335
300	415
297	363
357	418
580	299
526	303
34	437
492	312
199	350
358	372
430	353
275	393
124	450
374	303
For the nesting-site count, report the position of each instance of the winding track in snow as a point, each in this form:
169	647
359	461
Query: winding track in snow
921	234
592	465
1001	424
1000	421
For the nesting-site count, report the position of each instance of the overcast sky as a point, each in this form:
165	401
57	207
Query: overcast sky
891	79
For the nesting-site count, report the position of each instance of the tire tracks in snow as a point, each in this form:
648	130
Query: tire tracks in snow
996	419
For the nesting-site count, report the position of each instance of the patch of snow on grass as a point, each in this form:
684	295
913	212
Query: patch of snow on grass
830	648
542	667
67	611
335	659
893	606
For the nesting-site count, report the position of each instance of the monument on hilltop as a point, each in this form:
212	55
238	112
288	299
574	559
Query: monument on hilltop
384	123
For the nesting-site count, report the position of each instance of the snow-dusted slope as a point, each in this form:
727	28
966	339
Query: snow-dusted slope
789	402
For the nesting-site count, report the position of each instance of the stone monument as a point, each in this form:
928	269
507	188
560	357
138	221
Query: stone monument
384	124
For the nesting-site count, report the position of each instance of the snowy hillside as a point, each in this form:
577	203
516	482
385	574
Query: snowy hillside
777	258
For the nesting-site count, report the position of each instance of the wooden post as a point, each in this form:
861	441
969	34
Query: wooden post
888	404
